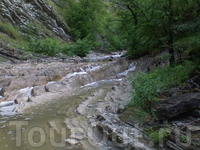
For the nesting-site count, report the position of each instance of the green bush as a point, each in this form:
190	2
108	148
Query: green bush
51	47
80	48
66	49
46	46
145	90
148	85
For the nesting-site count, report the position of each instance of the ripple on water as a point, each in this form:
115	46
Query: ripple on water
10	132
7	110
6	103
4	121
3	126
27	119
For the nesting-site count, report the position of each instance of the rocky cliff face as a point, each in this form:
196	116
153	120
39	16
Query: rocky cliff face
32	17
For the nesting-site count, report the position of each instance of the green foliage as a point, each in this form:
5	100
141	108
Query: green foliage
80	48
84	17
145	86
1	59
46	46
157	135
154	136
51	47
9	30
94	20
148	85
149	25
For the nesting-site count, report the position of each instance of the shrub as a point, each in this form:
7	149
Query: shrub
147	85
51	47
145	90
46	46
80	48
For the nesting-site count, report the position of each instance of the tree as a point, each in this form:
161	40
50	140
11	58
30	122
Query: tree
92	20
85	17
156	24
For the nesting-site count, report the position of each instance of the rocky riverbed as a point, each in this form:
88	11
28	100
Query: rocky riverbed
85	98
90	92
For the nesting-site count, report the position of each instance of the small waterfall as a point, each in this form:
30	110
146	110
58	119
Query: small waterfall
7	107
25	92
96	83
82	69
132	67
92	68
76	73
103	57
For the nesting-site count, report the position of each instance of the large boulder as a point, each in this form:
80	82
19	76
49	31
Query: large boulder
177	105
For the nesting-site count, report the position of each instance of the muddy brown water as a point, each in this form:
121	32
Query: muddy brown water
32	129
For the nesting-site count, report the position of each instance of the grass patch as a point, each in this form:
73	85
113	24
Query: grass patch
157	135
9	30
2	59
147	86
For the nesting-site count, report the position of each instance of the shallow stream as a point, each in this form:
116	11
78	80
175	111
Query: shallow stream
49	126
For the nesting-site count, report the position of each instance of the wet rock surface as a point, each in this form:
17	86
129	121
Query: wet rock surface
100	91
52	78
177	105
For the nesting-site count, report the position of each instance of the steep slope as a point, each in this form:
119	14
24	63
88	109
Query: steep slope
22	19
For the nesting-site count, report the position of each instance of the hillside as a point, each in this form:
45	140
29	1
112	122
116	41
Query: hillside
131	67
52	27
21	20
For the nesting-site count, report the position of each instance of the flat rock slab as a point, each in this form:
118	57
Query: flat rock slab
177	105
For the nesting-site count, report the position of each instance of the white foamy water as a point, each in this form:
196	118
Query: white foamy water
26	92
51	82
82	70
99	58
101	81
103	57
92	68
75	73
131	67
6	108
117	56
27	89
6	103
90	84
